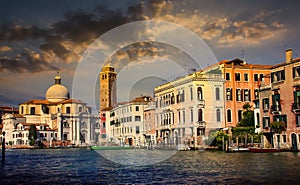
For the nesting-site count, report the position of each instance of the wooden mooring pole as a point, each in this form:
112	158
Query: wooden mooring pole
3	147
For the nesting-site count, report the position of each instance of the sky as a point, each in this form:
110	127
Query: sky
39	38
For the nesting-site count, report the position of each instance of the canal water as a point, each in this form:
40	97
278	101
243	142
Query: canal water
83	166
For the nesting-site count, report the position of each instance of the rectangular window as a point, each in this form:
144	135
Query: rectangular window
228	94
247	95
278	76
192	115
256	93
297	119
227	76
137	108
137	129
261	77
246	77
137	118
265	103
282	118
239	95
237	77
256	77
183	116
296	71
266	122
191	92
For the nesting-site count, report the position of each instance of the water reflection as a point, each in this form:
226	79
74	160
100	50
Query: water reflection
80	166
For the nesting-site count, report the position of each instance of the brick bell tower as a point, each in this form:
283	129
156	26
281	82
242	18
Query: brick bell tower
108	87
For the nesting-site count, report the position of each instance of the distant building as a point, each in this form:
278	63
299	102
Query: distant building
10	122
280	105
125	124
70	118
150	126
7	110
188	108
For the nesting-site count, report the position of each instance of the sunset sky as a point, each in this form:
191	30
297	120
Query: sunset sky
38	38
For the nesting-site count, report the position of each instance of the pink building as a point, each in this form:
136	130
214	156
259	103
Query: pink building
280	105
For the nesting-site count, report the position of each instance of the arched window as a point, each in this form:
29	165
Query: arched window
68	110
257	118
229	115
200	115
217	93
32	110
218	112
199	93
240	115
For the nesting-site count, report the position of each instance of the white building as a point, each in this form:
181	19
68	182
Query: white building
188	108
125	123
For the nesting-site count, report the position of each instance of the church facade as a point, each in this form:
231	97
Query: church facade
69	120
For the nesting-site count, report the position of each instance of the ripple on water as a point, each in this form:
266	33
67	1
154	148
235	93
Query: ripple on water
75	166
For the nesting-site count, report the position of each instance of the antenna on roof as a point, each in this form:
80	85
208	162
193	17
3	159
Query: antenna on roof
244	56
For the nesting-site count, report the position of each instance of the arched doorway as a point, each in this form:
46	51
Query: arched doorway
294	141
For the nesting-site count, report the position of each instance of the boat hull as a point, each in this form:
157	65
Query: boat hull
264	150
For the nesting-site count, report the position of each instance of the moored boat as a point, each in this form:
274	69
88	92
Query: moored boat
264	150
237	149
111	147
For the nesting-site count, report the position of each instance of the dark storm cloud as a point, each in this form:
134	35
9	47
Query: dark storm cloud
11	32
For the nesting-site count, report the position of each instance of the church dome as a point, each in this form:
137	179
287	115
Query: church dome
57	92
9	116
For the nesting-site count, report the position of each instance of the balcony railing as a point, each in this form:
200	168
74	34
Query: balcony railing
201	103
275	109
201	123
296	107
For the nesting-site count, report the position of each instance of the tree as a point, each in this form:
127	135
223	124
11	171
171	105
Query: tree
215	138
32	134
278	126
248	116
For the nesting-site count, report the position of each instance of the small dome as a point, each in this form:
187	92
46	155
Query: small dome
56	93
9	116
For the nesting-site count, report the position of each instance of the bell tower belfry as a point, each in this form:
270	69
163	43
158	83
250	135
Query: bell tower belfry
108	87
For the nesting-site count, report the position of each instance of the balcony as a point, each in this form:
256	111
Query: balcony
200	123
201	103
296	107
275	109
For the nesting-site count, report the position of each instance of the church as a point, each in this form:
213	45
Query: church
68	121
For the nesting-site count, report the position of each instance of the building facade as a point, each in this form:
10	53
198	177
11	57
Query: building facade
70	118
241	86
280	120
126	123
188	108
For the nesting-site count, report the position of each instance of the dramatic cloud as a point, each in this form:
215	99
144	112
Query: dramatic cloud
27	61
65	41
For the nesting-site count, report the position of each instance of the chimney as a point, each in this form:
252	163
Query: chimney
288	55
